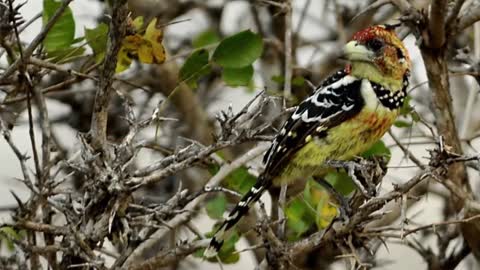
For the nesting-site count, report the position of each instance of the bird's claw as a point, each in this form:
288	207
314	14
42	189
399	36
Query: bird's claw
345	211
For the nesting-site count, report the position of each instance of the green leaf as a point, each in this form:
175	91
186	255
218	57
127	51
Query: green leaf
307	195
205	38
65	55
408	111
341	182
298	81
229	257
325	211
239	50
300	212
300	218
62	34
227	253
314	208
240	180
378	149
415	116
216	206
213	168
238	76
7	234
138	23
97	40
313	192
402	124
78	40
194	67
278	79
406	108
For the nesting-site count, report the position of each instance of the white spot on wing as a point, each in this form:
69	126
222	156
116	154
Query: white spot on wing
233	216
347	108
326	89
254	190
324	102
319	118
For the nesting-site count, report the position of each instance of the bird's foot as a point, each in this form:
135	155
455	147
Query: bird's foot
345	211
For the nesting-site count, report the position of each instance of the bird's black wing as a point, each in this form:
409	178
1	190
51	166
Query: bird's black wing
336	100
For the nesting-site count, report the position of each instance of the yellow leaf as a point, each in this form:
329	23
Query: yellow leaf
155	36
132	42
123	61
145	47
159	53
326	212
137	23
152	33
145	54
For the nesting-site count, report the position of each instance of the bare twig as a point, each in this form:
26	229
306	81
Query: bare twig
282	203
407	152
287	88
433	226
170	256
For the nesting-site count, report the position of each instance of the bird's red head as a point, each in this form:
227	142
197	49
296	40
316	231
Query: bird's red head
380	46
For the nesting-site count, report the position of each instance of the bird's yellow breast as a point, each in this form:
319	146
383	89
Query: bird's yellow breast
342	142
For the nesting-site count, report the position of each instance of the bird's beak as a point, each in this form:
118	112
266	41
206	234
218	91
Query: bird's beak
354	51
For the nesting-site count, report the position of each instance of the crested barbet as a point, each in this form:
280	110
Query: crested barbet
345	116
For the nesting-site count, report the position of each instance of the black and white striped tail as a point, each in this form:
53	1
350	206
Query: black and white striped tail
235	215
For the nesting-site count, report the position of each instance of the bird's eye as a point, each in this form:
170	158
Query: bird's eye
400	54
375	44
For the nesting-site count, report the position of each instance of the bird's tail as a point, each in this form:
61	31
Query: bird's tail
235	215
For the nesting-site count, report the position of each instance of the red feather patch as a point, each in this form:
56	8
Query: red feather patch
371	32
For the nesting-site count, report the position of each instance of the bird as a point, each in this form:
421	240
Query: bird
347	113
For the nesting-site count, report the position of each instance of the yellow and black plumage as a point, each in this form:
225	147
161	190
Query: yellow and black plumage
345	116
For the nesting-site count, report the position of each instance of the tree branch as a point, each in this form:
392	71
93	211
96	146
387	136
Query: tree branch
469	16
436	23
452	16
118	27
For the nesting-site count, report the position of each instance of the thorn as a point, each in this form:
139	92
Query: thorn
19	202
